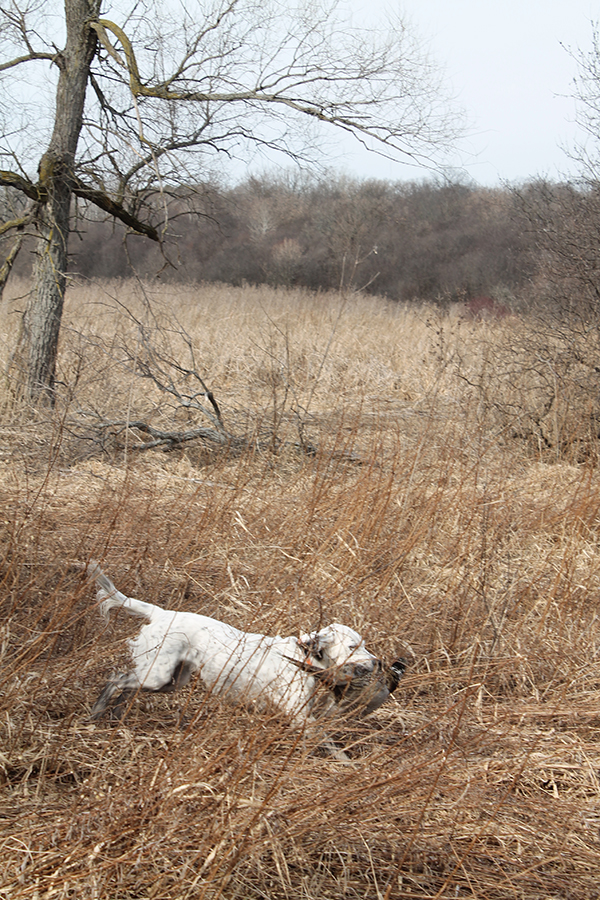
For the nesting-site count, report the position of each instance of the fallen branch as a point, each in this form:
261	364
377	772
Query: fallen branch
171	439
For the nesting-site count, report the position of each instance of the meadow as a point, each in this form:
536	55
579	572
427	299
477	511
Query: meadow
373	478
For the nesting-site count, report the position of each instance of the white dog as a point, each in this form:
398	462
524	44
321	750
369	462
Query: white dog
243	667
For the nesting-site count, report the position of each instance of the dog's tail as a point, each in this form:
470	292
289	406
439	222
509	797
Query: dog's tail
108	596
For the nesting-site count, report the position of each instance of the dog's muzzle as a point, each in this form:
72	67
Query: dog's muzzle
365	685
358	673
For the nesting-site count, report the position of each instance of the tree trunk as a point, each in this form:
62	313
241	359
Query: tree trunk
38	342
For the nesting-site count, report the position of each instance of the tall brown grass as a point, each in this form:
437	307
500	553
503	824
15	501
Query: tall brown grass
418	521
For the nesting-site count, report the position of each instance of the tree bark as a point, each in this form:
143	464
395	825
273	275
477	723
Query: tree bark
38	342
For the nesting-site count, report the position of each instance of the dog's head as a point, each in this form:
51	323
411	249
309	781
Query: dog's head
337	657
341	650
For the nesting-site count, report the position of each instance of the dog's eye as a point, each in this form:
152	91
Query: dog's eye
318	654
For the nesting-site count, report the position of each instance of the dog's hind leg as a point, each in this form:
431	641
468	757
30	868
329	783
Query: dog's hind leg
124	685
181	676
129	683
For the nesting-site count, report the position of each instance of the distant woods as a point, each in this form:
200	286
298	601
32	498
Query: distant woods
428	241
406	241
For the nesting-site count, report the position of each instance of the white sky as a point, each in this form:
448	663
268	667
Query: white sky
507	63
509	68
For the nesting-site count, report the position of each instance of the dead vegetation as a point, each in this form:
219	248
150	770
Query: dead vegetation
418	520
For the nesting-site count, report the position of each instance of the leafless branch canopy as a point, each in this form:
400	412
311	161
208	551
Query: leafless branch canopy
171	86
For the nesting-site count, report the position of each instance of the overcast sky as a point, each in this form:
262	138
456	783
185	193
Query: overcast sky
509	67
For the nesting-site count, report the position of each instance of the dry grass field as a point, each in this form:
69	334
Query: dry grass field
402	506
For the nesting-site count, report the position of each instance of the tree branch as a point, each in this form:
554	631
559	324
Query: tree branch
33	191
19	224
27	58
39	193
106	203
291	82
173	438
8	263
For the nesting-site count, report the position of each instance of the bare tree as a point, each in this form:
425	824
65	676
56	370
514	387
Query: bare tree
564	299
142	104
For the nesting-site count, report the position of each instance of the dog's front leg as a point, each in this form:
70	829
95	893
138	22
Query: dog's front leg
313	733
335	751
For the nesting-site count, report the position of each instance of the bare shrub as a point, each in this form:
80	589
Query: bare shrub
539	372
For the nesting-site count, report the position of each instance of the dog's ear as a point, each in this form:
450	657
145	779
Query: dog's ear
312	645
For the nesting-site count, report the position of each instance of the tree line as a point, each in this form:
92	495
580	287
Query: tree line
432	240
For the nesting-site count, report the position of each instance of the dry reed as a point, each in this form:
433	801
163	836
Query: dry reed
417	521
